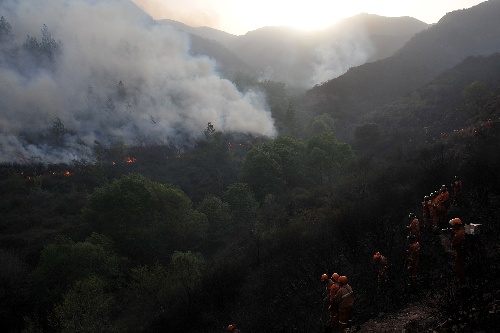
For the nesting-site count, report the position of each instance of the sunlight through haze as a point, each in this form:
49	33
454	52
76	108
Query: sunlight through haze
240	16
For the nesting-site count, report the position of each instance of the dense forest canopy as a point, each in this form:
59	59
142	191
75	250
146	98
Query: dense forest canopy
127	234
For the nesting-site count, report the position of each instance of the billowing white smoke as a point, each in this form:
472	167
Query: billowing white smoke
165	95
343	52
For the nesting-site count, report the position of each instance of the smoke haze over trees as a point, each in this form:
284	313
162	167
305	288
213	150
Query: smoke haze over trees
107	72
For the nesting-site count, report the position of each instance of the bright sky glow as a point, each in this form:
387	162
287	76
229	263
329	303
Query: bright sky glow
240	16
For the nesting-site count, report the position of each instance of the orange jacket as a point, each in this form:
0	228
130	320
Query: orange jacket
459	241
333	291
413	252
345	297
414	227
431	208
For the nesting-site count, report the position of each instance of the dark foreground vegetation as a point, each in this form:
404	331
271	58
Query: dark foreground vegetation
155	239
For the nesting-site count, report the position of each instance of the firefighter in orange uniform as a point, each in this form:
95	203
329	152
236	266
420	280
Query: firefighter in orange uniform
444	203
412	261
328	283
435	211
345	300
326	296
437	206
414	226
458	243
380	262
426	213
432	209
334	307
457	189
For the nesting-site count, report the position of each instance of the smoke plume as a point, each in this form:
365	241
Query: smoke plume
103	70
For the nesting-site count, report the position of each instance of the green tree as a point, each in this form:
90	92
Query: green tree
327	157
64	262
219	217
186	270
241	199
263	172
6	34
57	132
290	153
290	122
49	46
320	124
147	220
121	92
86	308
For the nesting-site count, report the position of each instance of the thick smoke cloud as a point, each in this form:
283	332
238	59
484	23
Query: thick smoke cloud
119	77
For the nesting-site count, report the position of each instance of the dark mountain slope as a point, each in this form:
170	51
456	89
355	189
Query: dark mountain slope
447	103
475	31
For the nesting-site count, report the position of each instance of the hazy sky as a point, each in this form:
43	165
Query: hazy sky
240	16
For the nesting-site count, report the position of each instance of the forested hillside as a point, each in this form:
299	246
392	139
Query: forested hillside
154	224
362	89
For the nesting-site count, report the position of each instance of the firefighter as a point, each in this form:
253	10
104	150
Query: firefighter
326	296
380	262
232	328
444	203
437	206
458	244
432	210
414	226
412	261
345	300
334	307
328	283
457	189
426	213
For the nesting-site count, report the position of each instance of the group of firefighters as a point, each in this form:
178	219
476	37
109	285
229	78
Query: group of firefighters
435	209
436	205
340	297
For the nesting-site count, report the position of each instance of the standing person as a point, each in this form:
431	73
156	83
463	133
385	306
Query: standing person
326	296
414	226
457	190
334	307
426	213
459	243
345	300
412	261
432	210
437	206
381	264
328	283
444	203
